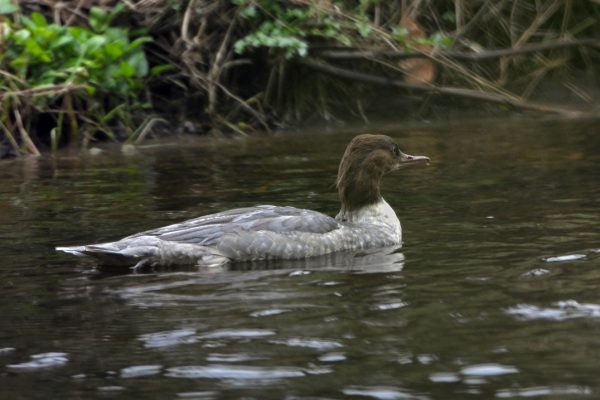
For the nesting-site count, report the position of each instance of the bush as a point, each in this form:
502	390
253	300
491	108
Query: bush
93	76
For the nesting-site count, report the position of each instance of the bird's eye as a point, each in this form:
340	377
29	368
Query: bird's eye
396	150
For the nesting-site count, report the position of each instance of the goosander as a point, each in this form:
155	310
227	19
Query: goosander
269	232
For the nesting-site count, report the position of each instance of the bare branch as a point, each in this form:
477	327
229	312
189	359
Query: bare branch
472	56
438	90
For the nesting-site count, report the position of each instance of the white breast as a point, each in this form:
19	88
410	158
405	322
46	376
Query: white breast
379	214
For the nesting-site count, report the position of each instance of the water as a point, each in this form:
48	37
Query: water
494	295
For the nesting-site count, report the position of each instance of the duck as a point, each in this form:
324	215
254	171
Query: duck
271	232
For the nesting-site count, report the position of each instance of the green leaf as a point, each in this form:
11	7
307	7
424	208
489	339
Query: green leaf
38	19
20	63
363	27
53	76
449	17
240	45
95	43
138	61
34	49
61	41
98	19
116	10
159	69
139	41
126	69
79	33
441	39
400	34
116	34
114	50
447	41
21	36
8	7
343	39
249	12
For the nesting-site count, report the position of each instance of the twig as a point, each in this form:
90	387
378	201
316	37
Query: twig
437	90
473	56
231	126
539	19
246	107
76	12
26	138
42	90
216	68
140	134
68	108
185	23
490	7
11	139
11	77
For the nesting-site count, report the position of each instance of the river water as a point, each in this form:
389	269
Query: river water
495	294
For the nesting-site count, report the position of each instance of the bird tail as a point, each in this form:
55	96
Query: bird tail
105	253
148	250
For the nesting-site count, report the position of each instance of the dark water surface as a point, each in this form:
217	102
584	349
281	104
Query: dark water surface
496	293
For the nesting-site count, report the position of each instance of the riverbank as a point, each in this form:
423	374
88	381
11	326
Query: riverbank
95	71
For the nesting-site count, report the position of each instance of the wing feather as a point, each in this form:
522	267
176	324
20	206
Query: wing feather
208	229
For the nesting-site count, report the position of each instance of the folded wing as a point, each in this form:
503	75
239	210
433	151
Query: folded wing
209	229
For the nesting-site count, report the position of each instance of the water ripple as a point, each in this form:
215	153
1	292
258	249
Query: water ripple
39	361
490	369
444	377
238	333
319	344
6	350
230	358
390	306
169	338
381	393
268	312
563	310
236	372
544	391
299	273
333	357
535	273
566	257
198	395
137	371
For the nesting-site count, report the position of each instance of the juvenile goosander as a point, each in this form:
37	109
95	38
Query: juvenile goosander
273	232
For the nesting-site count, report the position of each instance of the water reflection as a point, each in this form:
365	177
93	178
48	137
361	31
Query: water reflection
381	393
545	391
169	338
138	371
369	261
237	372
41	361
481	370
562	310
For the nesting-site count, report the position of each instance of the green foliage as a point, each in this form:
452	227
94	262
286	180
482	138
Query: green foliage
40	53
286	27
292	28
8	7
45	66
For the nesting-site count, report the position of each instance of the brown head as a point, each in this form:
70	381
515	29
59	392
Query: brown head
366	160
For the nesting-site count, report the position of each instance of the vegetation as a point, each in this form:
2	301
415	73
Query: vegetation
76	78
77	73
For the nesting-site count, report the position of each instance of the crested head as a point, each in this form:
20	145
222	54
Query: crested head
366	159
